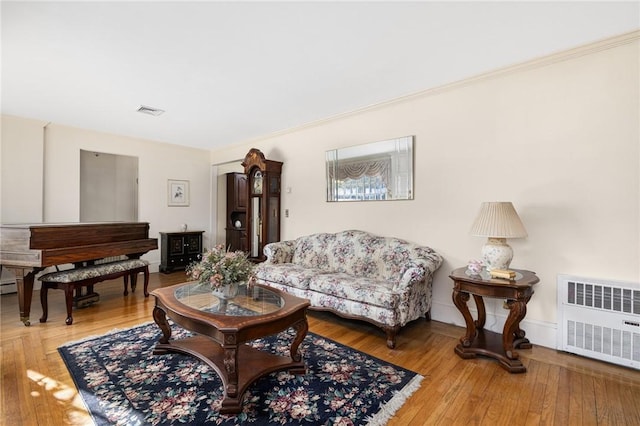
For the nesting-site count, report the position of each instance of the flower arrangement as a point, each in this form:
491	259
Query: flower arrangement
220	267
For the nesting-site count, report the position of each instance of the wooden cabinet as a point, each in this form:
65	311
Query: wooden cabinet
263	202
179	249
236	221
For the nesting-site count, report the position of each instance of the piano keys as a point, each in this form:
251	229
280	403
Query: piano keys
27	249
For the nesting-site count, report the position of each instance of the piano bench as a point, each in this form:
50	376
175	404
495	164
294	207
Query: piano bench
72	279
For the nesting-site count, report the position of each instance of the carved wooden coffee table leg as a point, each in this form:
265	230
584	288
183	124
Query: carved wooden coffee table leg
160	317
231	365
301	329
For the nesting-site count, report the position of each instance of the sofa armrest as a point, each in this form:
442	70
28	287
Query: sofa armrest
411	276
420	268
280	252
417	279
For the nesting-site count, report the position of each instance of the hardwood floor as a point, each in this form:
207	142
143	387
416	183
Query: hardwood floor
558	388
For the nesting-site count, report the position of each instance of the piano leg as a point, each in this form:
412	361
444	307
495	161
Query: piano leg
24	283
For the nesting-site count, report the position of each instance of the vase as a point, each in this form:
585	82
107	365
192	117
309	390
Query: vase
227	291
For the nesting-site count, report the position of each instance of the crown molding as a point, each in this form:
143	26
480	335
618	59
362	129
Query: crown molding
586	49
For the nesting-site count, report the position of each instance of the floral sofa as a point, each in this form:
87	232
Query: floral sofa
355	274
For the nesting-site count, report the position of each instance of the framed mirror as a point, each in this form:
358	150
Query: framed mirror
377	171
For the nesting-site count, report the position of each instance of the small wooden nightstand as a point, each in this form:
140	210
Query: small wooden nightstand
478	341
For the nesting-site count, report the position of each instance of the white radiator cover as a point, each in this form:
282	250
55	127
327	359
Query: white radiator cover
110	259
599	319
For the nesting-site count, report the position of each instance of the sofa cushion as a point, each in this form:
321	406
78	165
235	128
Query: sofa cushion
357	253
358	289
290	273
360	254
315	251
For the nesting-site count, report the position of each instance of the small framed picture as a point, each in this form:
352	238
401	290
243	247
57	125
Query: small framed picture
178	193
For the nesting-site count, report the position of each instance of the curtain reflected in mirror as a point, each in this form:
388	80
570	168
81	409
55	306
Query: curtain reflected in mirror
375	171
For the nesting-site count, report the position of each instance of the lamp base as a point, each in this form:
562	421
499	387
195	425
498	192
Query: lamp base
497	254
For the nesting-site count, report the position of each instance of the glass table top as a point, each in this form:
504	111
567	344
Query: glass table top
249	302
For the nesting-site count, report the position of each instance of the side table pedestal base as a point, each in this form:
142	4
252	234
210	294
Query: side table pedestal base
489	344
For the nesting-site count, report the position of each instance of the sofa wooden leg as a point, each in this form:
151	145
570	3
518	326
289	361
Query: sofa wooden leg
427	315
391	336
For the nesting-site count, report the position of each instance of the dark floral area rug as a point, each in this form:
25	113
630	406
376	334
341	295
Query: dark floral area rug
123	383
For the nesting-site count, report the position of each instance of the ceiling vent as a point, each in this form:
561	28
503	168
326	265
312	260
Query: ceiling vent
149	110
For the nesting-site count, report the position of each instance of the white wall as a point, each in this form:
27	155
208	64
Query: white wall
559	137
21	150
158	162
21	154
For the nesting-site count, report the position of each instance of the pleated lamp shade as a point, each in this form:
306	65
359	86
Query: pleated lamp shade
498	220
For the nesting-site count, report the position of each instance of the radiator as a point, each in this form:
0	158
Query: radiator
110	259
599	319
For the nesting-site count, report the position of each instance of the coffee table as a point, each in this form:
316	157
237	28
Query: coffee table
223	327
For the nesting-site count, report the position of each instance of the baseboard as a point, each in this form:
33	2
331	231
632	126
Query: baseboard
538	332
154	267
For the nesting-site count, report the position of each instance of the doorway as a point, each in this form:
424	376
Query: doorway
108	187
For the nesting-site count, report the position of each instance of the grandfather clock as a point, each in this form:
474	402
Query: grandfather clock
263	207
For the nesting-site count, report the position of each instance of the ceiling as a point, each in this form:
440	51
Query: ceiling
231	72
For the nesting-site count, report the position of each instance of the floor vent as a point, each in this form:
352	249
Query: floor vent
599	319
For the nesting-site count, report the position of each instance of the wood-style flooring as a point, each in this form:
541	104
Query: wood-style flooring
558	388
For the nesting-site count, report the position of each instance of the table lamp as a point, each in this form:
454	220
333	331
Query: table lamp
498	221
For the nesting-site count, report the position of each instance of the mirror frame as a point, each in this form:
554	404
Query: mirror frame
387	165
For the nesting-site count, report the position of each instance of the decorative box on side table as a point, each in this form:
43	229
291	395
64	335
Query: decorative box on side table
179	249
477	340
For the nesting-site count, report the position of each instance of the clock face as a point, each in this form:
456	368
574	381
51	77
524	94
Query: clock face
257	182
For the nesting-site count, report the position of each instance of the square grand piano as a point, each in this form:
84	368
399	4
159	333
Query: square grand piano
27	249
